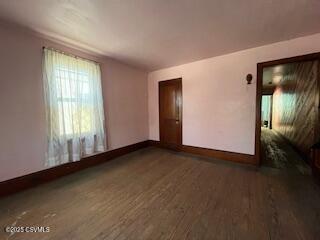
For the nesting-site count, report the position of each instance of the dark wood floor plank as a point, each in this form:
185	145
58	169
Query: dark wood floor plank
160	194
120	197
149	203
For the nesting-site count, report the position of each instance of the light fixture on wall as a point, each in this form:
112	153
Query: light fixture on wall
249	78
277	79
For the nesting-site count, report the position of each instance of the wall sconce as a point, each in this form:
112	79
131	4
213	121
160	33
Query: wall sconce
249	78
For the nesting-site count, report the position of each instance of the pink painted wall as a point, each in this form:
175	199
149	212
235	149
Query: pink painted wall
218	105
22	113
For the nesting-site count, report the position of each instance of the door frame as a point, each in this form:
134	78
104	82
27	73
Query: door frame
179	146
260	67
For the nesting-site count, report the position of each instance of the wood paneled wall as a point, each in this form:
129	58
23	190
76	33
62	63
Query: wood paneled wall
295	105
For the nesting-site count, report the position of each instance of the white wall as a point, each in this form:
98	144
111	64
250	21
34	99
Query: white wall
218	105
22	112
125	93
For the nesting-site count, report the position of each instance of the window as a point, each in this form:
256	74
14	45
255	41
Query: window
74	107
78	82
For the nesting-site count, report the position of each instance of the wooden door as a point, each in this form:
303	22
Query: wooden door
170	113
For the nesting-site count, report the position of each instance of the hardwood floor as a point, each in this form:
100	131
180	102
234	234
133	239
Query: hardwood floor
277	153
160	194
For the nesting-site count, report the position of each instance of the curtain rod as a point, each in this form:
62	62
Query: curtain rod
69	54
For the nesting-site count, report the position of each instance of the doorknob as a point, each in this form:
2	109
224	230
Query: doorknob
177	121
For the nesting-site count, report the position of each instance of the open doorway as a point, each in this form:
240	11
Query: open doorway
288	112
266	111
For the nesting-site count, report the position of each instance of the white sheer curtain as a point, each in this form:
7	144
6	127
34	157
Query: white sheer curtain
74	107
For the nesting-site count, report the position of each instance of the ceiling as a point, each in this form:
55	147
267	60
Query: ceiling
153	34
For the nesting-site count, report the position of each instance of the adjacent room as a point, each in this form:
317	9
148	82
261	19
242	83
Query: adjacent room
149	119
289	115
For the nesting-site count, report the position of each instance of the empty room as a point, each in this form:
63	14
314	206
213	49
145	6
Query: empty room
158	119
